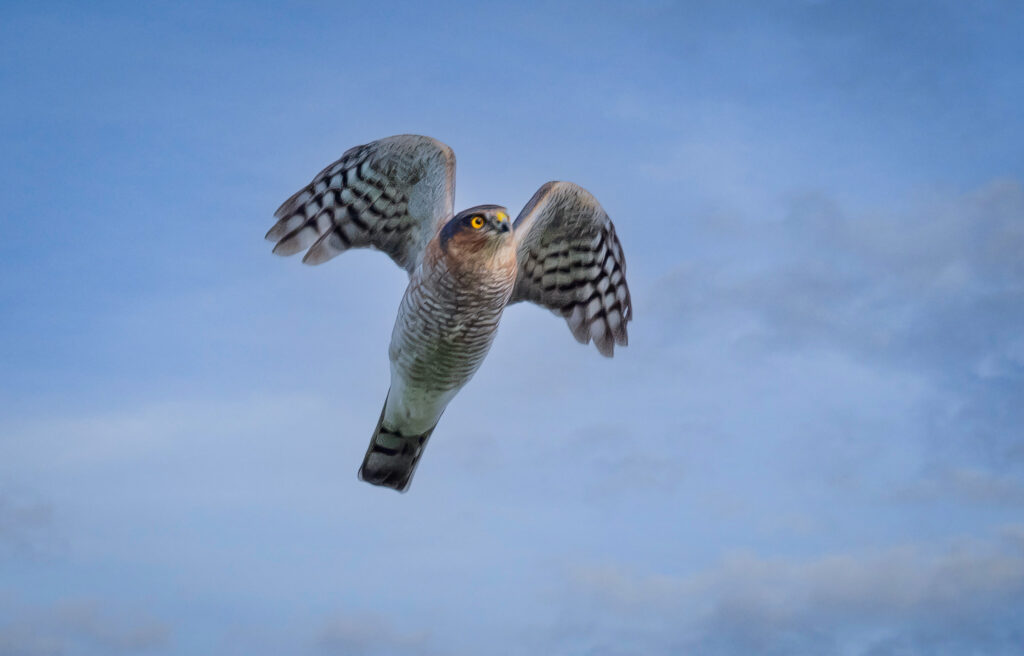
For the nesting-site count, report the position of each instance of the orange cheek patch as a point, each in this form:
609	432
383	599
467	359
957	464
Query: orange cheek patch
464	244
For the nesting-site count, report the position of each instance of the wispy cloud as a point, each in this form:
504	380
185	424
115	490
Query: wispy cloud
915	598
965	485
371	635
81	627
933	291
26	522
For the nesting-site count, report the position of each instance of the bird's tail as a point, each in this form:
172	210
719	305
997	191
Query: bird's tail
392	457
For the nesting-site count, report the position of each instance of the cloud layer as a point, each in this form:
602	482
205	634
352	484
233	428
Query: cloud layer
952	598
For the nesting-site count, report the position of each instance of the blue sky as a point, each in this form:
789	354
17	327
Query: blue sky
812	445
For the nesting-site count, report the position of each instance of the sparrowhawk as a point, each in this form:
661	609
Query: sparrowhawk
397	195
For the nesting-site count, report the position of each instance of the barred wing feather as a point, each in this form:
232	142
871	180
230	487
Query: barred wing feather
392	194
570	261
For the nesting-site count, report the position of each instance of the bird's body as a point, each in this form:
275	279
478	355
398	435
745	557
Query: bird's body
395	194
446	323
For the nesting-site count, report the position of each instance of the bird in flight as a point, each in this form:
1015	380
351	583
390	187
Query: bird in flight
397	195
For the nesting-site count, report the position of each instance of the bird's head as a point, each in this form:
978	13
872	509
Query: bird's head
481	227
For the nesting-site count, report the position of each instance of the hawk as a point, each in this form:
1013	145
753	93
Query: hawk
397	195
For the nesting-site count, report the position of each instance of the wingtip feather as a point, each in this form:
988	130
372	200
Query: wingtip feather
287	247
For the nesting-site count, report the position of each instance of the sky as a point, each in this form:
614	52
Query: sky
812	445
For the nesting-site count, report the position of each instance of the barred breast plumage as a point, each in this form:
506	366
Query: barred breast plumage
446	324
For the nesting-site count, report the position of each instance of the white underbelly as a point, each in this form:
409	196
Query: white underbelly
413	410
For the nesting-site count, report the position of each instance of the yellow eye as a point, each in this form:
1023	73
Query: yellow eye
477	222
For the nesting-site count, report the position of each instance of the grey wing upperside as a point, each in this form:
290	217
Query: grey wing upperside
392	194
570	261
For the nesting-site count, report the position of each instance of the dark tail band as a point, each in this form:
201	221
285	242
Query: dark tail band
392	457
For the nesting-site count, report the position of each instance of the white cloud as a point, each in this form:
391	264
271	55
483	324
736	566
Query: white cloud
931	291
26	522
80	627
858	602
367	634
970	485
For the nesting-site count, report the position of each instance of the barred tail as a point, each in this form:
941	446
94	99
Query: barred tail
392	457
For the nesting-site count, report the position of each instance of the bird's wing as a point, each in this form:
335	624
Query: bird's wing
571	262
391	194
